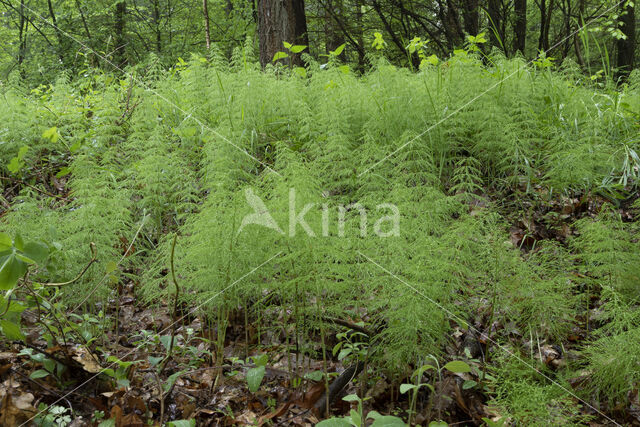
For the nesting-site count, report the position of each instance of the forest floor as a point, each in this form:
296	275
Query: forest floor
148	380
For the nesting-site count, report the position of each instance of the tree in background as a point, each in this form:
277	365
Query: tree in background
281	21
36	43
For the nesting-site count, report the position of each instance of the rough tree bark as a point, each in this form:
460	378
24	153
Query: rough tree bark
471	17
626	47
496	35
119	56
205	15
280	21
520	25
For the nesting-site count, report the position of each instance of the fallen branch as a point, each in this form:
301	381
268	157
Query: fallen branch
175	306
337	386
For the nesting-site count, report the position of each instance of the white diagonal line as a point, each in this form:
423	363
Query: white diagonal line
503	348
475	98
112	364
146	87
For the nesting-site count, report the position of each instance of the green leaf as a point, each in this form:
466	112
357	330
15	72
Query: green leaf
314	376
254	378
40	373
301	71
351	398
344	353
279	55
457	366
388	421
36	251
18	242
153	361
11	269
438	424
11	330
182	423
338	50
334	422
110	267
356	420
287	45
172	380
297	48
406	387
51	134
63	172
469	384
111	422
6	244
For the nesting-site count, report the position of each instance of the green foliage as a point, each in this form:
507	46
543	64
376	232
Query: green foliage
188	150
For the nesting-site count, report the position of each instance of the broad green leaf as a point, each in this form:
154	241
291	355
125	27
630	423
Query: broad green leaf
457	366
334	422
351	398
338	50
301	71
314	376
40	373
438	424
64	171
297	48
172	380
153	361
182	423
18	242
51	134
110	267
254	378
36	251
355	418
344	353
388	421
406	387
11	269
279	55
5	243
11	330
111	422
287	45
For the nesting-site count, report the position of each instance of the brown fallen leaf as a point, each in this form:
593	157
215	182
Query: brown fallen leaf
15	412
87	361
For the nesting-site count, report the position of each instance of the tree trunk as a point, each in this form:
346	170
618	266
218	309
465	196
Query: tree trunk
61	40
626	47
280	21
205	15
471	17
156	23
520	25
545	24
119	56
496	35
22	46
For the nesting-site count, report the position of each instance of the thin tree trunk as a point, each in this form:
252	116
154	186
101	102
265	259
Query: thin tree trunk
84	20
471	17
626	47
22	37
495	23
205	15
59	35
119	56
520	25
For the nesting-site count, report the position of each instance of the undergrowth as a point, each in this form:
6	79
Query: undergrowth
187	148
